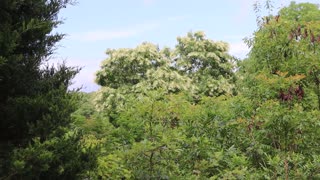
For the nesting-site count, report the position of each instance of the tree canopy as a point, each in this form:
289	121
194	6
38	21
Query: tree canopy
187	112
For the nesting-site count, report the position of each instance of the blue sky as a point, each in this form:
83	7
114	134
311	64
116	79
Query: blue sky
92	26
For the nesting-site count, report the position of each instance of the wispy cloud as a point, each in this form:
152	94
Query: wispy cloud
100	35
124	32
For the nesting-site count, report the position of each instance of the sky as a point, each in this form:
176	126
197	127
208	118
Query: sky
93	26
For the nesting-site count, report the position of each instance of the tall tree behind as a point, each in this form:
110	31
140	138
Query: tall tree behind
207	63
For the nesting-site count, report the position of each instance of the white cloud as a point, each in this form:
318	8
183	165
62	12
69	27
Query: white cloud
86	77
100	35
239	49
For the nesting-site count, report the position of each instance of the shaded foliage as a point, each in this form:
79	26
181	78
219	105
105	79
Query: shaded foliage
36	138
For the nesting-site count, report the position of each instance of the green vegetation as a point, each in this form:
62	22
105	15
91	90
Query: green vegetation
190	112
36	135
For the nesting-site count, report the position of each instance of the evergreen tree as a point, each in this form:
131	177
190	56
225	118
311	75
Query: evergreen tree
35	103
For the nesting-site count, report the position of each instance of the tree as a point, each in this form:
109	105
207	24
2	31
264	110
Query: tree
302	12
26	43
280	77
35	103
207	63
285	47
196	65
127	73
130	68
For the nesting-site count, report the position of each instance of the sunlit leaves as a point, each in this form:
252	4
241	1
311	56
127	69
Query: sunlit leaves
206	62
